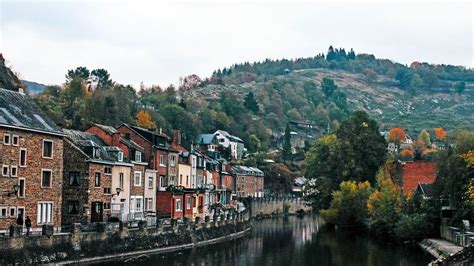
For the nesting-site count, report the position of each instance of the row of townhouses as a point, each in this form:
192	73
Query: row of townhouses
59	176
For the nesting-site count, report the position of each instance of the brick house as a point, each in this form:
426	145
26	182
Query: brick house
249	181
142	196
31	157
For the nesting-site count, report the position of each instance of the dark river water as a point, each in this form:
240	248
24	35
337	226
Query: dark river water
296	241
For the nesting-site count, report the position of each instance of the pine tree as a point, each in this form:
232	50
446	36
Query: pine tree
287	144
251	103
331	54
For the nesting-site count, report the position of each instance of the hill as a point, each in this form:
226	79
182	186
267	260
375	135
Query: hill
256	101
33	87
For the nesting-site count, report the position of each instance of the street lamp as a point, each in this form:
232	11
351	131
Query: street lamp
118	190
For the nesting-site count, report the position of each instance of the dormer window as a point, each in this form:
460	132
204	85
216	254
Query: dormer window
138	156
120	156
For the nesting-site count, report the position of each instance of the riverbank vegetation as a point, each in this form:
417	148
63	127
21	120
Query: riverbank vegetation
360	187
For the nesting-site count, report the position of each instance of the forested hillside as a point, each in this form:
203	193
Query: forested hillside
256	100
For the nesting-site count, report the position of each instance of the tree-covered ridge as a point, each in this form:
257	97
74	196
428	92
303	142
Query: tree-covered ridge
417	76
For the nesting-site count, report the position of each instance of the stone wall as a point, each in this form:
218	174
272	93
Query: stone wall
275	206
118	240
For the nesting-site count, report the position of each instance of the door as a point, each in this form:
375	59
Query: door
97	212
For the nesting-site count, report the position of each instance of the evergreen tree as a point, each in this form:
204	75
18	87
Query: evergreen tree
287	143
331	55
251	103
328	86
351	55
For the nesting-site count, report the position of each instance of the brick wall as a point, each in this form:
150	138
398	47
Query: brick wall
148	156
34	193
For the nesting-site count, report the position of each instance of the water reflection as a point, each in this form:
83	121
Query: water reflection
295	241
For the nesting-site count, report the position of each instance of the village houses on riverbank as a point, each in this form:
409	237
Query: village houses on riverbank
60	176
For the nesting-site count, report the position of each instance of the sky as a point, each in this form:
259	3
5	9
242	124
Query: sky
157	42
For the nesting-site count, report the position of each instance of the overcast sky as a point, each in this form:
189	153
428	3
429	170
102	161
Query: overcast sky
158	43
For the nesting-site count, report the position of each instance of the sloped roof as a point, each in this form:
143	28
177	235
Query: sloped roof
108	129
84	140
205	139
426	189
417	172
20	111
246	170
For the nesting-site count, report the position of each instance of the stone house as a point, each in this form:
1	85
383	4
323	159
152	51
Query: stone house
89	169
31	157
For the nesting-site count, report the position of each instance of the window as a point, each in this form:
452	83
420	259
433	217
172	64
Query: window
3	212
149	204
5	170
162	160
6	139
172	160
108	170
74	178
21	189
180	179
120	156
187	180
107	206
107	190
138	156
97	180
138	204
22	157
15	140
178	205
45	213
12	212
46	176
137	180
172	180
73	207
48	149
121	180
150	182
188	203
162	181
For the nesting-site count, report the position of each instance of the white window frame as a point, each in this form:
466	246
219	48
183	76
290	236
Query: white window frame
95	179
137	203
17	140
3	170
24	187
44	214
179	206
150	182
120	156
162	160
149	204
50	180
188	202
10	212
52	149
172	160
19	157
135	179
138	156
9	139
24	211
3	208
11	170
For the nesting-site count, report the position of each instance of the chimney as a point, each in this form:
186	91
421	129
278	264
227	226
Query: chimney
176	136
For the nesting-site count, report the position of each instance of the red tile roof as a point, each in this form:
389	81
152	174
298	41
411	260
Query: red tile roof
417	172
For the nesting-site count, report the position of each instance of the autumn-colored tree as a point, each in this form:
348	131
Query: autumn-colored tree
144	120
407	155
396	135
440	133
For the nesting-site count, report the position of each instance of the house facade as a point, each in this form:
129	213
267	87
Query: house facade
31	157
249	181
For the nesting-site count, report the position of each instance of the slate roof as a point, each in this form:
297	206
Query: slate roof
205	139
425	189
20	111
246	170
108	129
85	140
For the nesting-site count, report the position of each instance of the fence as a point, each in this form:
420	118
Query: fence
460	236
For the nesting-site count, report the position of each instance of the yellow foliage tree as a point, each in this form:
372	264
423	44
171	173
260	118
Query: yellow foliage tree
144	120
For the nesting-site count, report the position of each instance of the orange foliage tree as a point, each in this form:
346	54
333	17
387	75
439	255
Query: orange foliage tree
144	120
396	135
440	133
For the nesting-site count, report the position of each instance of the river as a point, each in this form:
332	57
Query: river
295	241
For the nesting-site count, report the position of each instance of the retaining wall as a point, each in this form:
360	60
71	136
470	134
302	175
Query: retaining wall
276	206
